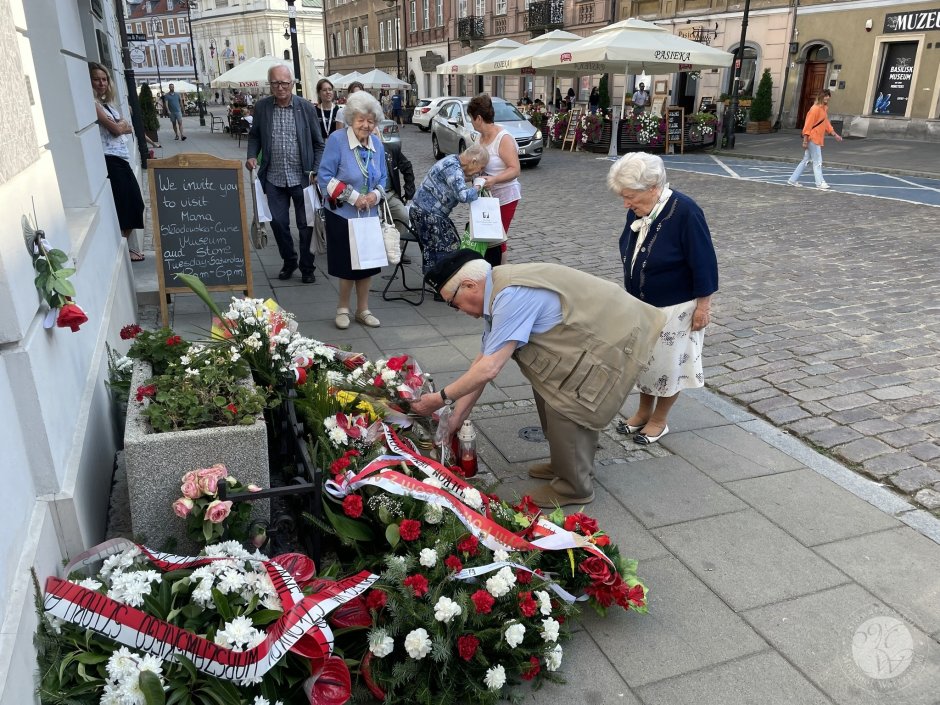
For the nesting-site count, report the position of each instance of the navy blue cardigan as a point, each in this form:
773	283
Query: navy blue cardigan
676	262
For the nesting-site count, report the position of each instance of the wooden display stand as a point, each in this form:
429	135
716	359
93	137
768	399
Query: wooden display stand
574	119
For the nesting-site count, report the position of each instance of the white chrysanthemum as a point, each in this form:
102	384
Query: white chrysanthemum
515	634
89	583
545	602
418	644
112	695
495	677
355	374
334	378
111	564
338	436
231	581
237	633
380	643
122	664
330	422
235	356
446	609
500	555
496	586
427	557
553	658
151	663
473	498
433	514
549	629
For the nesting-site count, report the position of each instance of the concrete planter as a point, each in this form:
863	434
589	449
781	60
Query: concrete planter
156	461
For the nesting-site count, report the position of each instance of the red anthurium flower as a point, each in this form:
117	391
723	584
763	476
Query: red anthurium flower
352	506
469	545
174	340
410	529
396	363
453	563
130	331
467	646
418	584
71	316
376	600
532	670
146	390
527	605
332	684
301	567
354	613
366	670
483	601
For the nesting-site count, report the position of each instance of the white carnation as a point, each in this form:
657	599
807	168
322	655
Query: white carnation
545	602
388	375
515	634
495	677
418	644
553	658
446	609
549	629
499	555
427	557
433	514
380	643
496	586
473	498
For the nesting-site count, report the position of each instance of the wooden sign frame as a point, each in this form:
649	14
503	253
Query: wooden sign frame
680	111
571	130
196	162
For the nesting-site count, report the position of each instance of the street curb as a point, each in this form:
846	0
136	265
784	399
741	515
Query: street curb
829	164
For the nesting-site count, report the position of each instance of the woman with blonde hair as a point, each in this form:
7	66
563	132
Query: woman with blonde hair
815	129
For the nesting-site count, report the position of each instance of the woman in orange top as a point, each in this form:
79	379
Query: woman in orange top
815	129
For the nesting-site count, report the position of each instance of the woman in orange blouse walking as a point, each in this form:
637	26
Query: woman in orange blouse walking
815	129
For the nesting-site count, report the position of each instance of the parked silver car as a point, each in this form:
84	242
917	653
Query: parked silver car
451	130
388	129
425	111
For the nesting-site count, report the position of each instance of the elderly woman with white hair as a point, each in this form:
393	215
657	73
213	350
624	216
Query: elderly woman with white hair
668	262
352	174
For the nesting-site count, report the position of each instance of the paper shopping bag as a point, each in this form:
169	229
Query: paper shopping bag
486	224
261	204
366	245
311	203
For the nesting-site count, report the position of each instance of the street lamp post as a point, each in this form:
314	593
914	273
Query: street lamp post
736	84
192	54
292	25
156	52
397	4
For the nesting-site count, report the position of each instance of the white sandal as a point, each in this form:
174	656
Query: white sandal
342	318
367	319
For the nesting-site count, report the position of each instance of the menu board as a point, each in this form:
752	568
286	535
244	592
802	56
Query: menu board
199	224
675	124
571	131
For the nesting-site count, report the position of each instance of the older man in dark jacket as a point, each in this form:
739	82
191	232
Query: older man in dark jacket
286	135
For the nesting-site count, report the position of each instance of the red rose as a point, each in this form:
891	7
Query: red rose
483	601
533	669
232	408
602	540
352	506
469	545
467	646
146	390
527	506
523	577
396	363
376	600
527	605
130	331
418	584
71	316
581	522
453	563
598	570
410	529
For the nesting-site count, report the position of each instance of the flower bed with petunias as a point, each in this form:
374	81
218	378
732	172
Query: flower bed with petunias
435	589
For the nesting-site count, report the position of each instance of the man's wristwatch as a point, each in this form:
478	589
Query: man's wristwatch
444	398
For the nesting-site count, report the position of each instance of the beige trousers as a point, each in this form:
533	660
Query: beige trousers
572	449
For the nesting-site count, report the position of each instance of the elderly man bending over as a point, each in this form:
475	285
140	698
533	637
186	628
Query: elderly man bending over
579	340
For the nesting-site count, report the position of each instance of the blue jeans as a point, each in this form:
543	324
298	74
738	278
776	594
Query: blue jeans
812	154
279	200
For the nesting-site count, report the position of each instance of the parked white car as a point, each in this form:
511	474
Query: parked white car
425	111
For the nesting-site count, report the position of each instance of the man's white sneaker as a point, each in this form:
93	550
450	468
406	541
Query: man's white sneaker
823	186
792	183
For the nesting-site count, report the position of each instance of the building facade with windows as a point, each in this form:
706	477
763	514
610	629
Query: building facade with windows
428	30
363	35
167	51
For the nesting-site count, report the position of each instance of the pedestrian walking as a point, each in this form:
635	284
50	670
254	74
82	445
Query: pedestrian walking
286	134
174	105
815	128
668	262
641	98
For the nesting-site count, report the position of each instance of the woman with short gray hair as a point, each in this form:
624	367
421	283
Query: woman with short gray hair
668	262
442	189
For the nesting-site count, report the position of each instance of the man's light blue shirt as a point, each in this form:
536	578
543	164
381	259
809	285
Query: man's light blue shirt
520	311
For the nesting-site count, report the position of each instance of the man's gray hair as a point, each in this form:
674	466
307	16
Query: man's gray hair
636	171
362	103
475	269
476	153
280	66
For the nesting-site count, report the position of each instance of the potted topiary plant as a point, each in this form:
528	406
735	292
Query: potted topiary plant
762	106
148	109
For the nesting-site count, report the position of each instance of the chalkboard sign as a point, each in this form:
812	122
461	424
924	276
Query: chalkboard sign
574	119
199	224
675	123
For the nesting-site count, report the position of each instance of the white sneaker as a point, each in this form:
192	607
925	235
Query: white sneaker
793	183
823	186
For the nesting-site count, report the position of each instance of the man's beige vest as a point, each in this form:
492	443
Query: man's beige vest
584	367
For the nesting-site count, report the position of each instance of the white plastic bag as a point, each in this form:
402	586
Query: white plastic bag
486	223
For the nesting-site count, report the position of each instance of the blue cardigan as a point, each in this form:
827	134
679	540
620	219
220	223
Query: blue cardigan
339	162
677	261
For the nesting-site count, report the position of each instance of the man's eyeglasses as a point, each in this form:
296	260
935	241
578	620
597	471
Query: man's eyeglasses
454	297
280	84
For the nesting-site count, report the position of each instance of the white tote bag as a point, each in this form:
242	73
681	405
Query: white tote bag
486	224
366	244
261	199
311	203
390	235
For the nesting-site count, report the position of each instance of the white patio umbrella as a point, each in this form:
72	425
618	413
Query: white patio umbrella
632	46
334	77
252	73
378	79
178	86
518	61
466	65
344	81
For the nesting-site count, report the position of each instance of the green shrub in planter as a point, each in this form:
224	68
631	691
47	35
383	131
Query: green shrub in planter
762	105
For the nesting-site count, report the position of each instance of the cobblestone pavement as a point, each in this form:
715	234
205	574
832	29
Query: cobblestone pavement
827	319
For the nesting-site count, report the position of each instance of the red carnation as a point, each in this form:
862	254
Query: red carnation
483	601
396	363
378	381
523	577
352	453
453	563
598	570
376	600
174	340
410	529
527	605
467	646
418	584
469	545
71	316
338	465
130	331
352	506
146	390
533	670
232	408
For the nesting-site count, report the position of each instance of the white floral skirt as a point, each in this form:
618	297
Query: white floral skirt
676	363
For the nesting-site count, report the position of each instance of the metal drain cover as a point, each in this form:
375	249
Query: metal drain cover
533	434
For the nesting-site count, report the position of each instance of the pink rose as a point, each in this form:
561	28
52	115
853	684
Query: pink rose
217	511
219	470
190	490
183	506
253	488
208	480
